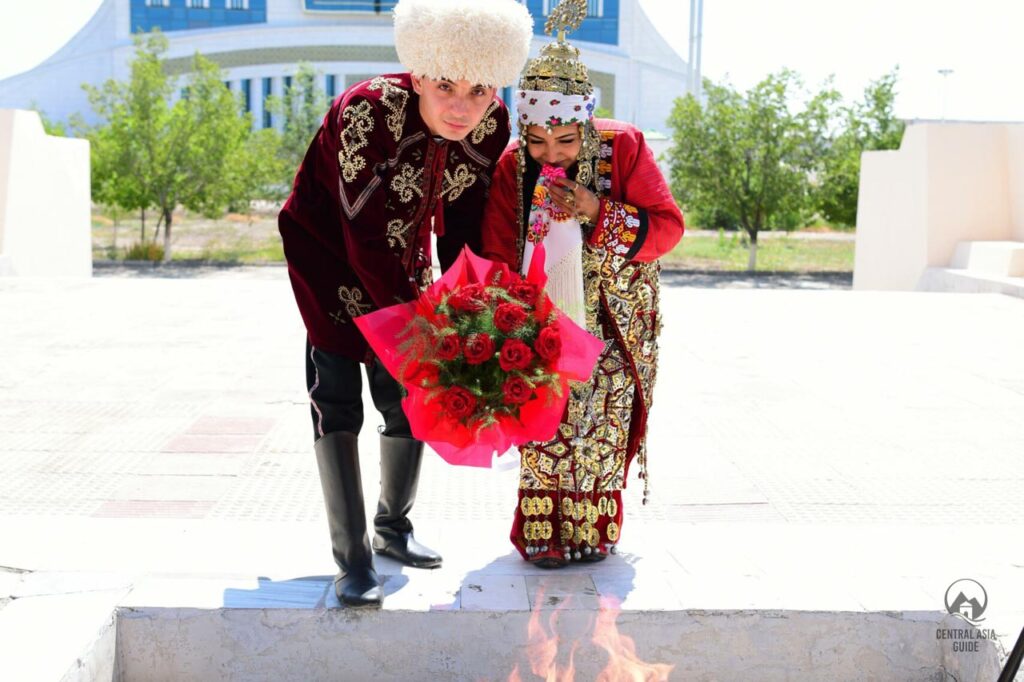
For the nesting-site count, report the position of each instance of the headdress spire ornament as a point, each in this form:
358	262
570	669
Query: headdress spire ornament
569	15
558	68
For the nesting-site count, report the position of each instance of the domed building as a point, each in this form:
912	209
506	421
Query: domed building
259	43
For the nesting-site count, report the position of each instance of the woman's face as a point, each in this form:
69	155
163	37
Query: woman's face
559	147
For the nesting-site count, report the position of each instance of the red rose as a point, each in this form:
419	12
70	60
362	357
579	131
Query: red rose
450	347
515	355
478	349
548	344
516	391
458	402
421	374
524	291
509	317
471	298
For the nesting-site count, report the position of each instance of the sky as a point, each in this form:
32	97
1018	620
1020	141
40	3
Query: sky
856	41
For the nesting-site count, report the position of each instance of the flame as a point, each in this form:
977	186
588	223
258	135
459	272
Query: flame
543	642
623	663
542	648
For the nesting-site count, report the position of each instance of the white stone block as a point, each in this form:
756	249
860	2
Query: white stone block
44	200
999	258
948	183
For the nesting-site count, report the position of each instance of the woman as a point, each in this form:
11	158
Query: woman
591	192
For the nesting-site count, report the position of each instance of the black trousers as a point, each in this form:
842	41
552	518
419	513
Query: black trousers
336	395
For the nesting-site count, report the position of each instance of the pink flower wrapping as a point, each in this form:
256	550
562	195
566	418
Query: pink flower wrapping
468	411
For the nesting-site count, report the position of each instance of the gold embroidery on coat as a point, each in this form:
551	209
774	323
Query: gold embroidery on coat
486	127
356	135
407	183
394	99
397	230
455	185
352	298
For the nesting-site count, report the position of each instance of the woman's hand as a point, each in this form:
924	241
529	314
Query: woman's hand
575	199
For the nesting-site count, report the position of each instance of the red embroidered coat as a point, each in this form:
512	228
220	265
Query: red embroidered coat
633	186
356	228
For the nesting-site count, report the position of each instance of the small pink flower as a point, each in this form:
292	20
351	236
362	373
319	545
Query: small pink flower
552	172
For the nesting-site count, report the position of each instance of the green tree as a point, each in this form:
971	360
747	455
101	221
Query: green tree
745	155
150	152
301	111
125	146
258	172
866	125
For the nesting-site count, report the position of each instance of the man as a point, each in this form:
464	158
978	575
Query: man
397	156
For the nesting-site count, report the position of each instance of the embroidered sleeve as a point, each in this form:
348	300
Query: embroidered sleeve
621	228
394	99
360	152
374	239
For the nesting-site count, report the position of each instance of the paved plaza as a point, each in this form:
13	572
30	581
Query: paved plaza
810	448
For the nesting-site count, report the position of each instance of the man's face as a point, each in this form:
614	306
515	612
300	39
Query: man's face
452	109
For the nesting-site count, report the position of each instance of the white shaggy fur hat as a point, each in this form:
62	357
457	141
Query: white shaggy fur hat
481	41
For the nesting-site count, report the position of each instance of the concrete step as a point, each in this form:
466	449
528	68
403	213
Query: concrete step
955	280
992	258
563	637
505	621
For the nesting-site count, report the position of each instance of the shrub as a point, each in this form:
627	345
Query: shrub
145	251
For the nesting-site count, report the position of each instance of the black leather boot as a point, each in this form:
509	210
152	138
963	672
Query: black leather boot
400	460
337	457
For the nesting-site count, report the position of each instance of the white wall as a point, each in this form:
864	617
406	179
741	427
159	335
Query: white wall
948	182
45	224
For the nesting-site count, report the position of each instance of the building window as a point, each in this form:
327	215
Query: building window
287	83
595	8
268	85
237	4
199	4
247	93
375	6
158	3
332	85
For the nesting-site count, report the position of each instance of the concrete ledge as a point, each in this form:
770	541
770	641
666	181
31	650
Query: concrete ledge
993	258
954	280
494	624
177	644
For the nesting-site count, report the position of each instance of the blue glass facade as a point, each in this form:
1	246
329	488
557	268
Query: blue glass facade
377	6
601	27
595	29
181	17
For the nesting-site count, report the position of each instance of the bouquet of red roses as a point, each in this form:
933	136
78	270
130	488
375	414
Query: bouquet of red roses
485	358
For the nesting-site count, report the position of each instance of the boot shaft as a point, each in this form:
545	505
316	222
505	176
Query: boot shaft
400	461
337	459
